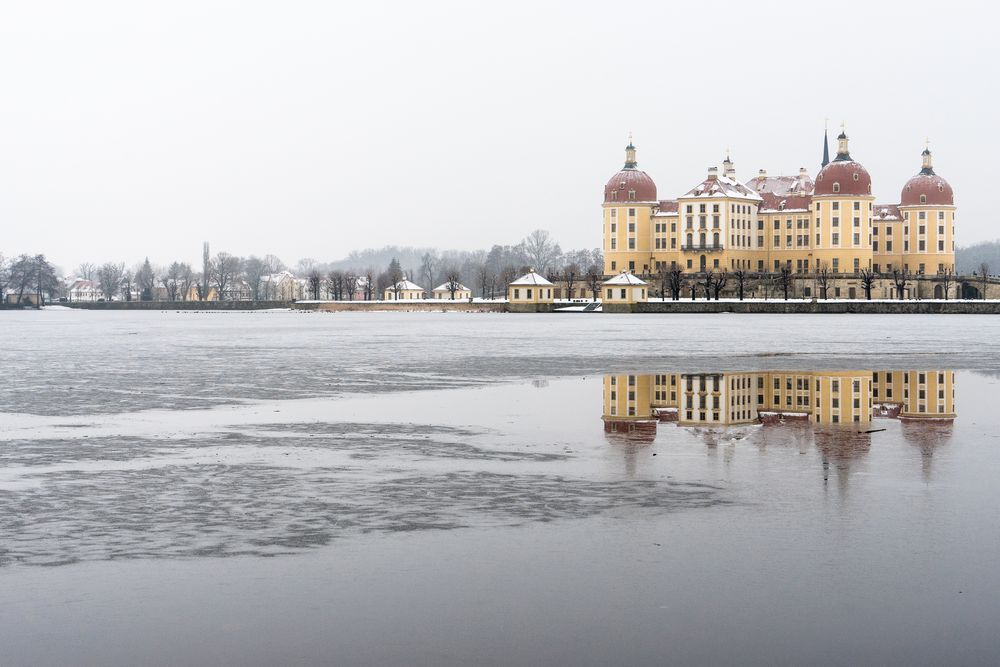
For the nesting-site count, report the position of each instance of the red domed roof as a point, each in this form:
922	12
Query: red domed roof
630	184
935	191
927	188
843	176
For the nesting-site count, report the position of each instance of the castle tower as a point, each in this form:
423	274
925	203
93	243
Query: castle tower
842	215
927	207
629	201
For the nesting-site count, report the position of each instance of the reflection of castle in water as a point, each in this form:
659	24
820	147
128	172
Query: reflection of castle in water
632	403
832	410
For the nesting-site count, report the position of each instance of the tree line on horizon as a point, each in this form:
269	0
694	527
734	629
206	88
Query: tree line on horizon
364	274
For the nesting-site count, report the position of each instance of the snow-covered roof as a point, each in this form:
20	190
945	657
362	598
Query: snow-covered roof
446	287
624	278
886	212
721	186
783	193
405	284
531	278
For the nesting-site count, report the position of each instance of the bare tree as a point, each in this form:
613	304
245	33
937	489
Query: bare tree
185	280
540	250
900	277
254	270
785	280
369	284
224	272
305	266
109	278
428	269
315	281
707	280
868	278
32	274
350	284
87	271
719	283
453	280
508	274
984	276
487	281
571	273
595	276
946	278
335	285
676	282
742	276
823	280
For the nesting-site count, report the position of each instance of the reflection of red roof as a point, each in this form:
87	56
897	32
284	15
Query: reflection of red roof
936	191
852	178
632	431
627	181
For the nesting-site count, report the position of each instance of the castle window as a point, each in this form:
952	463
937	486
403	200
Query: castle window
614	227
614	213
631	213
857	206
836	187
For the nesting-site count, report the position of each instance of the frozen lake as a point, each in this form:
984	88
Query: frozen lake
445	488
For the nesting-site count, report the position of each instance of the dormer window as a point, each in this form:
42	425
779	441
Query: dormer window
869	188
856	177
614	195
631	195
923	199
836	187
940	188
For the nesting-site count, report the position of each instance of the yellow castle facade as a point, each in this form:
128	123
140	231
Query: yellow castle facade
830	225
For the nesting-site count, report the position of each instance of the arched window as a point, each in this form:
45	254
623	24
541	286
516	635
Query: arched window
715	239
701	238
836	187
690	240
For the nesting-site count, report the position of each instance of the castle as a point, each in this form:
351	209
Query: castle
829	226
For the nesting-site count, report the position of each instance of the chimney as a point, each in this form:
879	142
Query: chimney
713	173
762	173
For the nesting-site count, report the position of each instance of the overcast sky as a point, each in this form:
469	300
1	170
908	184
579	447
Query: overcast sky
308	129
